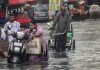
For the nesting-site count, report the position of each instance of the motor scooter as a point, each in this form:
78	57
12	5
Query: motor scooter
17	48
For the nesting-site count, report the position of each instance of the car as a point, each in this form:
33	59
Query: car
40	13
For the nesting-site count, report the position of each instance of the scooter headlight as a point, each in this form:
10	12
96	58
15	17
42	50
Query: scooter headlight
17	46
17	49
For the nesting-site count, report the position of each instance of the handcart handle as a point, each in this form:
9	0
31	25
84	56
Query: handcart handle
58	34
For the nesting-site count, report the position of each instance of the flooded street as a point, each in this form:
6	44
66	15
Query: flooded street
86	56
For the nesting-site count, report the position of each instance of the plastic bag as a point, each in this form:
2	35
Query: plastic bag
3	34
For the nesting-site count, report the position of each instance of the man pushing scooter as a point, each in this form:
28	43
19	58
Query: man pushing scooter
61	25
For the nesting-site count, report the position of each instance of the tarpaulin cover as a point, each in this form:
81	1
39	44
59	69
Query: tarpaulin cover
15	2
23	19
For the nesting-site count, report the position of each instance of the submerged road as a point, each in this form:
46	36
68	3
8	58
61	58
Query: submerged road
86	56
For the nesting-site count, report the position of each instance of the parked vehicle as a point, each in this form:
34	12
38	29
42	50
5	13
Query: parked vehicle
40	13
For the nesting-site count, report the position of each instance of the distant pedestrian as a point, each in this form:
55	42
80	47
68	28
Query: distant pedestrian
94	11
82	12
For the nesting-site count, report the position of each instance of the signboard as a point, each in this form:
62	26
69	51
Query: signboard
53	6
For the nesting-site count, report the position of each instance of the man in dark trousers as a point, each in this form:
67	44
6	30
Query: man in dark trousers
61	22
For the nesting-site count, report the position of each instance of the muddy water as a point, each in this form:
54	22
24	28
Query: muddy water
85	57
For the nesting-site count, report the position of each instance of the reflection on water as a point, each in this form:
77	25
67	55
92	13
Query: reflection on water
56	61
59	55
85	56
28	66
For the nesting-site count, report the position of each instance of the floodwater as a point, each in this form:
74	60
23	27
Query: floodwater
86	56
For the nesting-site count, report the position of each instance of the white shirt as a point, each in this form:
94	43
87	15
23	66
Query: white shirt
14	27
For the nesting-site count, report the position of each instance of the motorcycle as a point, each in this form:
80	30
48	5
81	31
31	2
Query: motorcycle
17	48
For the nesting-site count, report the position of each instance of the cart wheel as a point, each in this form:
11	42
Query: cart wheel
72	29
50	47
57	47
49	44
73	46
8	60
69	47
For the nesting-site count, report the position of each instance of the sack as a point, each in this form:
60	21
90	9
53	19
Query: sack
34	46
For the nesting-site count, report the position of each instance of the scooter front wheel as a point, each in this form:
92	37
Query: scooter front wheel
13	59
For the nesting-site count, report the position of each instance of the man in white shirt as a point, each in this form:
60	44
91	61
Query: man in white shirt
11	27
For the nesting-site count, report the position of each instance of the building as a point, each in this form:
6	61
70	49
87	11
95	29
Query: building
53	6
90	2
